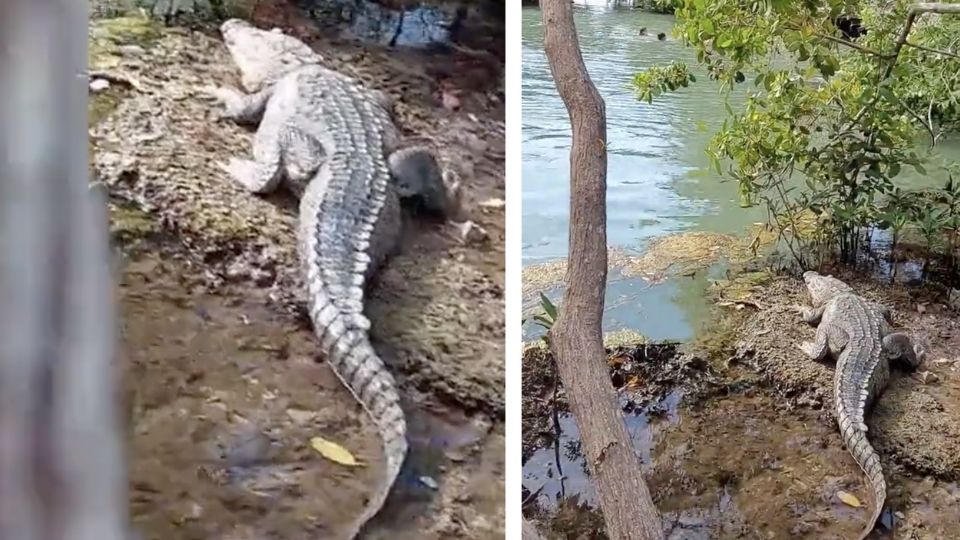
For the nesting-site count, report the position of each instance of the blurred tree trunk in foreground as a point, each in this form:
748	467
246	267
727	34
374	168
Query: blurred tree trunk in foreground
576	338
62	475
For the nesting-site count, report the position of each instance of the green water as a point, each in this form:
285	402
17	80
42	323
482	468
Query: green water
658	177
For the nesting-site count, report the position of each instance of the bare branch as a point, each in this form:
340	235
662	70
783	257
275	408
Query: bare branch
848	43
935	51
912	14
923	122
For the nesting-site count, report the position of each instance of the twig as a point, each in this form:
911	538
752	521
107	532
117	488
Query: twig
533	495
928	126
850	44
931	50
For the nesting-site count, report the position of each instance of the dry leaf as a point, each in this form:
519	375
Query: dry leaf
634	382
614	361
333	452
849	499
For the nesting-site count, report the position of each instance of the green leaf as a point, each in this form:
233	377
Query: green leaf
548	306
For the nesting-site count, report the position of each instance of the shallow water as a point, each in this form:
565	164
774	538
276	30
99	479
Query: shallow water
740	466
658	180
559	470
224	395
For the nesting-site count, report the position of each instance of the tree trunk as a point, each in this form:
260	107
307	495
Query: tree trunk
62	475
576	338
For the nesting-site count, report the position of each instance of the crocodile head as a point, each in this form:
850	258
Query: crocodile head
823	288
264	56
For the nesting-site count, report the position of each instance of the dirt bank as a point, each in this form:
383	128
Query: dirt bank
159	147
734	430
224	386
915	422
223	395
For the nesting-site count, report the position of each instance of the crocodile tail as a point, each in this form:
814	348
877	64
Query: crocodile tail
863	453
361	370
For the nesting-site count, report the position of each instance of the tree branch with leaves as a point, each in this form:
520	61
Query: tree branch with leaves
826	134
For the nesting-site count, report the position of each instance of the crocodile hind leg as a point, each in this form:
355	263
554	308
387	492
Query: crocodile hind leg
418	178
900	346
263	173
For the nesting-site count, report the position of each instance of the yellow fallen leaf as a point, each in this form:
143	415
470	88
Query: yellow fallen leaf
333	451
849	499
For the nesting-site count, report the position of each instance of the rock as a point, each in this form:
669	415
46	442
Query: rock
471	233
927	377
131	50
248	448
99	85
429	482
301	417
802	528
953	299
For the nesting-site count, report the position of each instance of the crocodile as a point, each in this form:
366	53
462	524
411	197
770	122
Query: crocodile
334	143
858	333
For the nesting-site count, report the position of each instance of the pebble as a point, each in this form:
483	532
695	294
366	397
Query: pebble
99	85
954	299
493	203
472	233
429	482
131	50
300	416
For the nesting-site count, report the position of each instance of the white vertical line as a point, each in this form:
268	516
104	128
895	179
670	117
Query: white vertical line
513	469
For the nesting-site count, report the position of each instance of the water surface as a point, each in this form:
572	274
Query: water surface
658	176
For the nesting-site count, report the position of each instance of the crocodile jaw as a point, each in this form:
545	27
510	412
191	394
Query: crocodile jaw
264	56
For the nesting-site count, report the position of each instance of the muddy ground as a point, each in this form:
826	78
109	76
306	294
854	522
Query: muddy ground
223	386
735	434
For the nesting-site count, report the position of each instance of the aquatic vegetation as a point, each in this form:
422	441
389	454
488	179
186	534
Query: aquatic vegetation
664	256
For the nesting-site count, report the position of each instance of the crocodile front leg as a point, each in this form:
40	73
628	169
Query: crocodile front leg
830	339
276	145
811	315
239	107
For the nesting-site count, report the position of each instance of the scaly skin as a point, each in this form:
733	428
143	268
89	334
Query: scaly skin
858	334
334	143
